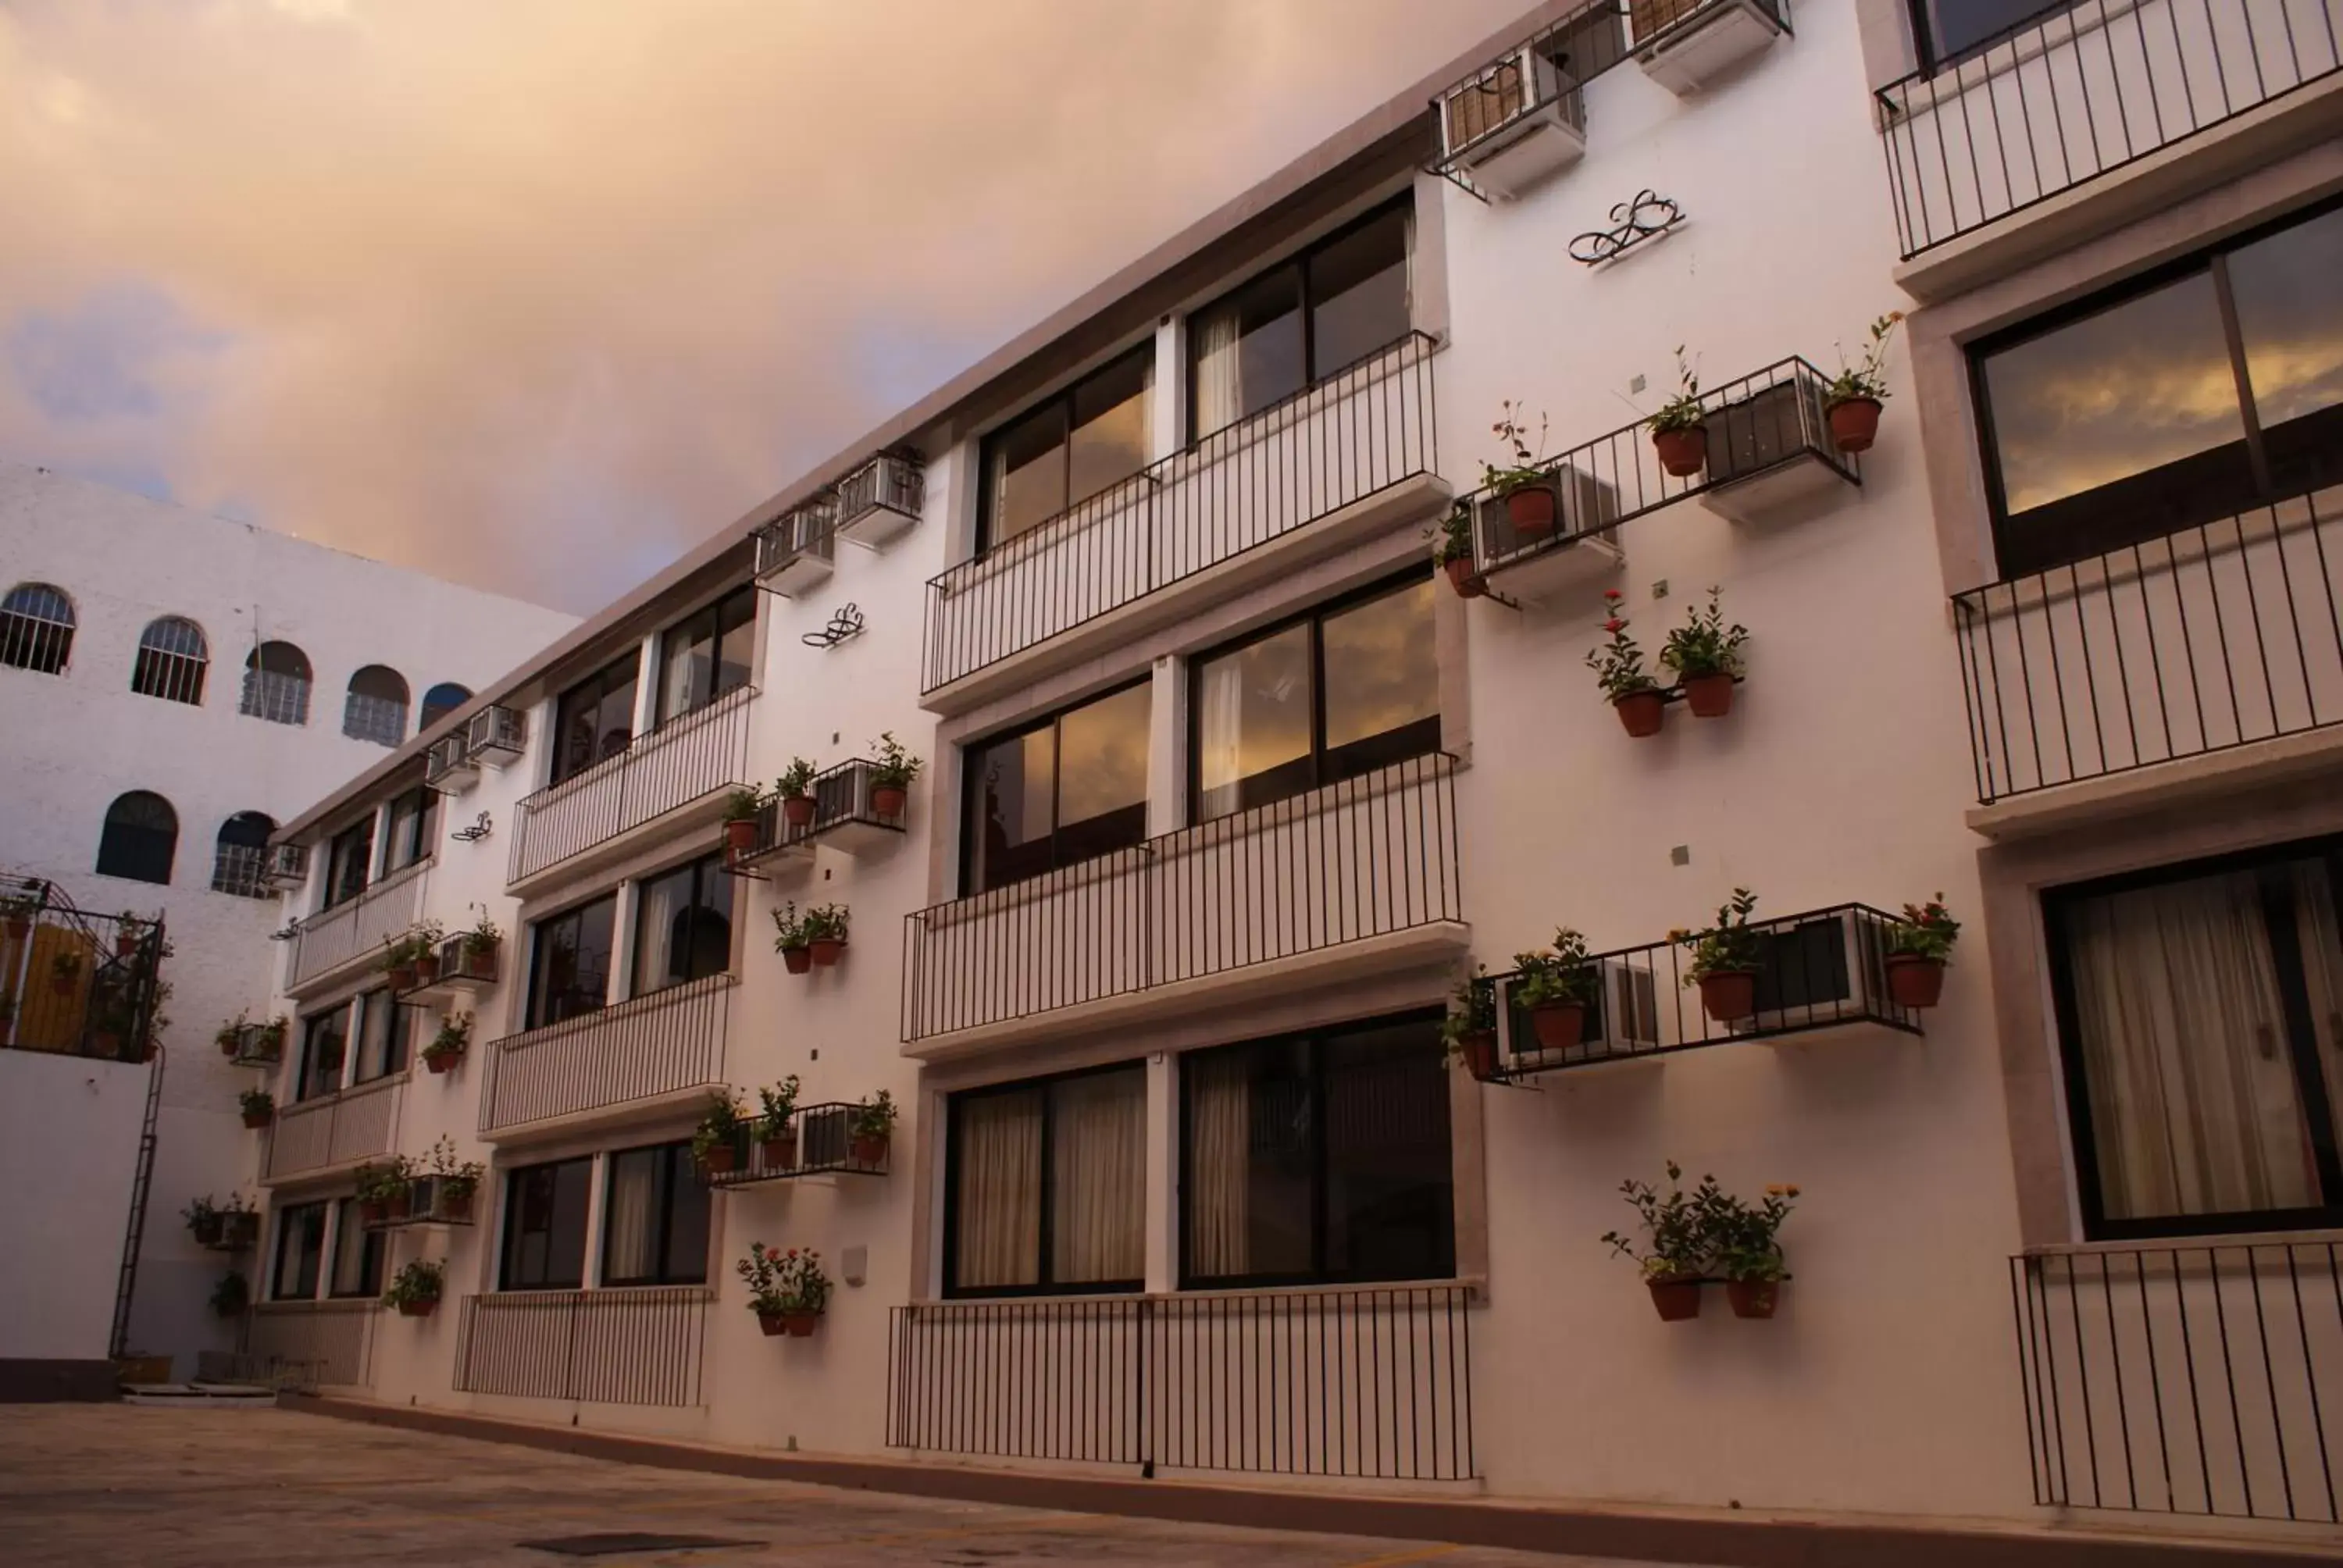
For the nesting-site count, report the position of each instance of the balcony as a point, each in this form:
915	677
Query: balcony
2195	1377
76	984
2045	115
334	1133
2220	642
657	1051
1352	455
334	943
1348	880
614	1346
310	1345
672	777
844	818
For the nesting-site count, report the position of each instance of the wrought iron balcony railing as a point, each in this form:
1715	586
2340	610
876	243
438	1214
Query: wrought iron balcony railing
335	1129
310	1345
650	1046
611	1346
1367	857
2080	90
74	984
356	928
1374	1382
844	814
1357	433
2204	640
690	758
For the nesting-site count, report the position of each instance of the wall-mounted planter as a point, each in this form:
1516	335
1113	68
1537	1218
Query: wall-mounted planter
1684	452
1675	1300
1729	995
1914	981
1752	1298
1642	712
1854	423
1708	696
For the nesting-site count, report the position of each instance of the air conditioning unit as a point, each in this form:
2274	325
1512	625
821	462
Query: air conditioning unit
1625	1021
1582	550
497	736
1770	451
288	866
1513	123
1684	44
794	550
449	767
880	499
1817	970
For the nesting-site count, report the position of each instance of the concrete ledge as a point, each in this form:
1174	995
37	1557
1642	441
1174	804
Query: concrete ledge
666	1105
2160	785
1745	1538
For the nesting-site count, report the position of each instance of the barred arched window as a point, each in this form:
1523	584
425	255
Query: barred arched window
376	709
440	701
172	659
276	684
241	855
37	627
141	835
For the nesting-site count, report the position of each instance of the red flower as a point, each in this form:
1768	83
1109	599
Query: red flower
1614	624
1610	593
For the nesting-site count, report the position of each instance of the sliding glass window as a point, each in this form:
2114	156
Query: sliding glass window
594	718
545	1227
1067	789
349	861
1091	436
570	962
683	925
385	1028
358	1254
325	1042
1045	1185
413	817
300	1252
656	1230
707	653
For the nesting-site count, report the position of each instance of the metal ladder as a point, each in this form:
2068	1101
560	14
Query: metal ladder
127	1280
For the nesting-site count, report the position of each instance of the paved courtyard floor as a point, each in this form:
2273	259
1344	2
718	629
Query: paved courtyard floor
90	1486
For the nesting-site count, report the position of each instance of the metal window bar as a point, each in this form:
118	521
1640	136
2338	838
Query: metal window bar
2081	90
379	719
171	663
236	869
36	632
338	1128
1358	432
358	928
809	528
891	480
310	1345
75	984
670	1040
2200	1378
630	1345
1475	110
840	795
1365	856
276	696
690	757
2201	640
1370	1383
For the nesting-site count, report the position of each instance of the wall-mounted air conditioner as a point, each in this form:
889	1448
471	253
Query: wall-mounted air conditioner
1561	567
1513	123
1625	1021
880	499
1685	44
497	736
1820	971
794	550
288	866
449	767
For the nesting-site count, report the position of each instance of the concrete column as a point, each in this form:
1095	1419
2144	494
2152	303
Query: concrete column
622	944
1167	748
647	669
351	1043
597	1179
1162	1172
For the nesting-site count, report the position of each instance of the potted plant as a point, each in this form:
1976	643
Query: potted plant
129	930
479	950
399	1188
789	939
231	1296
740	809
794	787
716	1143
1470	1030
229	1035
869	1128
892	773
16	912
414	1289
423	946
1678	1230
1725	960
398	960
1557	987
1705	654
267	1043
777	1132
1526	488
447	1047
259	1106
1851	404
239	1224
788	1290
1618	667
824	931
380	1190
206	1223
65	973
1680	429
1749	1252
1919	947
1452	551
452	1181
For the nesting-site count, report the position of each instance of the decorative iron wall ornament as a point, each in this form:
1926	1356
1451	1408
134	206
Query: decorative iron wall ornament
476	832
1649	216
846	622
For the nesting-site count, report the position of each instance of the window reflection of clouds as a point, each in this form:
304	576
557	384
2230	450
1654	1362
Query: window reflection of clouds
2290	295
1102	760
1380	669
1257	708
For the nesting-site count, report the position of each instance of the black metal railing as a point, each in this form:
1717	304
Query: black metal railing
1373	1383
74	983
335	1129
2207	639
2193	1378
358	928
311	1345
649	1046
1355	434
823	1136
840	796
690	757
1549	68
1824	968
1367	857
1756	424
2080	90
611	1346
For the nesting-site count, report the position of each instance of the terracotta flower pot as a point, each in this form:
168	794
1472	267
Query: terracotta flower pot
228	1048
1560	1025
1729	995
1481	1054
63	984
799	1324
1682	453
868	1148
209	1230
887	800
1462	577
1643	712
740	834
19	927
1675	1300
126	944
798	811
417	1308
402	977
1752	1298
1531	511
782	1153
1854	423
258	1118
797	960
1708	696
827	951
771	1322
479	963
240	1231
400	1204
438	1061
718	1159
454	1205
1914	981
427	970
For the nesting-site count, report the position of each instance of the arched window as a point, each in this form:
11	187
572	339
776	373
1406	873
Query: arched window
172	659
241	855
376	708
37	627
440	701
276	684
142	834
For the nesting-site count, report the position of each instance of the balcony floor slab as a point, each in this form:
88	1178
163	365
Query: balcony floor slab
2213	774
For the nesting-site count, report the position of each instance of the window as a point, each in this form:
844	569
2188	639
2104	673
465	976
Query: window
1945	30
683	925
1045	1185
358	1254
1343	691
276	684
300	1252
385	1029
375	709
140	837
36	629
172	659
707	653
1073	787
324	1041
1337	303
2200	1011
349	861
412	816
1320	1158
545	1227
656	1232
570	962
440	701
2212	388
240	855
1089	436
594	718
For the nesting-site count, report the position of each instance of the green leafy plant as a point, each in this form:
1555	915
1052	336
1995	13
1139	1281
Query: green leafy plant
873	1116
743	804
455	1034
1704	644
200	1212
420	1280
229	1035
783	1282
1926	931
795	781
1745	1240
892	767
1472	1009
824	923
232	1295
483	938
1618	665
1562	974
1683	411
1728	947
788	929
779	1103
19	906
721	1127
257	1102
1679	1228
1503	480
269	1040
1869	378
66	969
455	1178
382	1183
1452	537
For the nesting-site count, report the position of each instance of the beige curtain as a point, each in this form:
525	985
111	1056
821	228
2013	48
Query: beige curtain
634	1180
1220	383
1219	1163
1097	1225
2322	965
998	1238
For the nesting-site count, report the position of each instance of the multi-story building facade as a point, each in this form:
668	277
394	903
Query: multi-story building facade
1226	789
173	686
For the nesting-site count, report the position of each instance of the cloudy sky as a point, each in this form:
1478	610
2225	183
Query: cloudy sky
538	293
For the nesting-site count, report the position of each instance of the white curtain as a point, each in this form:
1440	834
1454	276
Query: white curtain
1220	737
1220	381
1098	1226
999	1233
1219	1168
2322	964
657	905
634	1181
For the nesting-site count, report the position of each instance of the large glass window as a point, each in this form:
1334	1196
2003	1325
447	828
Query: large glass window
300	1252
545	1227
1046	1185
1067	789
412	819
1082	440
1335	304
2212	388
656	1231
1343	691
324	1041
385	1029
358	1253
570	962
2200	1009
594	718
707	653
1947	29
683	925
1323	1157
349	861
